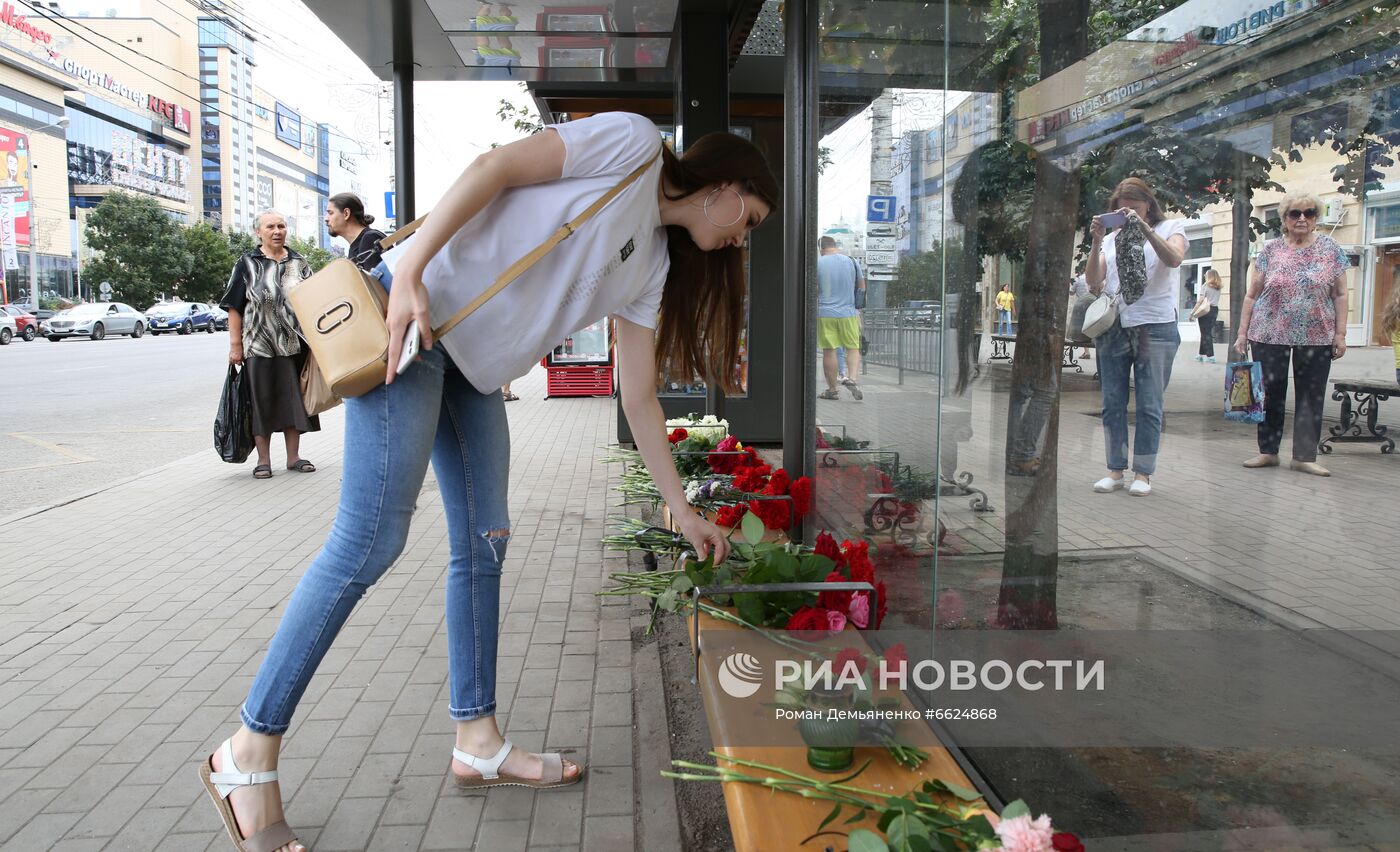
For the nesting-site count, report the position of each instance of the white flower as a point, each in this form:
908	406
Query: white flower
692	490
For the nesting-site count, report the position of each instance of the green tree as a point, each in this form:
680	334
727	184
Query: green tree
141	250
241	242
918	275
212	261
314	254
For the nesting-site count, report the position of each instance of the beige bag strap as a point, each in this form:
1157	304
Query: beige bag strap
518	268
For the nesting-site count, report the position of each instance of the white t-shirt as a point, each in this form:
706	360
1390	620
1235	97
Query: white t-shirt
1158	302
615	264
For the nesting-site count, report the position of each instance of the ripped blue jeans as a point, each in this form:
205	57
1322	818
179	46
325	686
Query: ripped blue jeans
390	433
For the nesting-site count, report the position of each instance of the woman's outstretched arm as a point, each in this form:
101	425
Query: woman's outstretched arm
637	370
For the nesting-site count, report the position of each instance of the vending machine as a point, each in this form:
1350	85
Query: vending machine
583	364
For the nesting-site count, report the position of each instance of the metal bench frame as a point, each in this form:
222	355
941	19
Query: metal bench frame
1368	397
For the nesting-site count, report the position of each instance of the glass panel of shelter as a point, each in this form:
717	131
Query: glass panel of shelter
964	149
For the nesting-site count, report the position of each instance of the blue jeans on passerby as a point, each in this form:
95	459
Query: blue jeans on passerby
1146	352
841	361
390	433
1004	322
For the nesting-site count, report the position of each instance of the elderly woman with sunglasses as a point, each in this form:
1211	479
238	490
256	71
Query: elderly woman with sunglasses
1296	307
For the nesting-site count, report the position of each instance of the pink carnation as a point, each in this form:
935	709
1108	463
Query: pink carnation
859	611
835	620
1022	834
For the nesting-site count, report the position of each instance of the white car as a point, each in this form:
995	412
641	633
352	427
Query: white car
95	320
7	328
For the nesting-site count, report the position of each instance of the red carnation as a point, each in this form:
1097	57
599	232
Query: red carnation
752	480
677	435
730	516
801	492
896	660
778	483
839	601
773	513
849	655
1063	841
857	557
809	618
752	460
821	441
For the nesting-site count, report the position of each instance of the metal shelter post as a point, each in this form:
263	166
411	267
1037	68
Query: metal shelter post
404	167
799	237
702	97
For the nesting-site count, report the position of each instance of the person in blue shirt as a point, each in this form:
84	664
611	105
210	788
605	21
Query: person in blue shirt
838	321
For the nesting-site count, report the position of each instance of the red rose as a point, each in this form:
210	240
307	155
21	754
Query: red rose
721	463
1063	841
778	483
826	546
773	513
849	655
839	601
808	618
677	435
730	516
801	492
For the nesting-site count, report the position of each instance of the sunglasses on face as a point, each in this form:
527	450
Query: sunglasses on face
1310	213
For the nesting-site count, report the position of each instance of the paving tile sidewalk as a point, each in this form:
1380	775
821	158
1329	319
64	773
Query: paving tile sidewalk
131	629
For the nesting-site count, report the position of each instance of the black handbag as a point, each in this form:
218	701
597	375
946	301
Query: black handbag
233	423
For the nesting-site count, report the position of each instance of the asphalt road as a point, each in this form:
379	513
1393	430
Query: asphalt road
78	415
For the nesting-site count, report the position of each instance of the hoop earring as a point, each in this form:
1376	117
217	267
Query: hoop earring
709	199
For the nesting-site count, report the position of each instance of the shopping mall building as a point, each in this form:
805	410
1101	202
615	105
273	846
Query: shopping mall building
165	104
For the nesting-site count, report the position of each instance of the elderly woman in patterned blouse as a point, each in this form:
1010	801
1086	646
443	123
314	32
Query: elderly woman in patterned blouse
263	338
1296	306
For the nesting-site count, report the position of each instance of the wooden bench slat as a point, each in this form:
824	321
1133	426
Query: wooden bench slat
764	821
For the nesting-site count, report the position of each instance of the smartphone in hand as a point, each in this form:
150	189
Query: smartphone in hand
1113	220
411	342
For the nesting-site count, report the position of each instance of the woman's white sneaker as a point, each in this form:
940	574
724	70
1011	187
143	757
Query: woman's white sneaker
1140	488
1107	484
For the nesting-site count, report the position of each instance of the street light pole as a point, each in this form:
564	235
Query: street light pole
34	217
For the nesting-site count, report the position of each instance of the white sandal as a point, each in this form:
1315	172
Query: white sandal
490	769
221	785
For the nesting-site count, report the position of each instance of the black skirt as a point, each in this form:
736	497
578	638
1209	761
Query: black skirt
275	389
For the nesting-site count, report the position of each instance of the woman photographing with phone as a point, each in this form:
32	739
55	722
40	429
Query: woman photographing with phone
1135	263
669	244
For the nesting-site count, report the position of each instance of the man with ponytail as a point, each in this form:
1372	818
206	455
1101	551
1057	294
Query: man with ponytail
346	218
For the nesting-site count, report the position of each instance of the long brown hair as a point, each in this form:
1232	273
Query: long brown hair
1390	318
702	305
1136	189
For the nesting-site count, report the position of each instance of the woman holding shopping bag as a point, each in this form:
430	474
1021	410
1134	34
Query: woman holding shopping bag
1295	309
664	258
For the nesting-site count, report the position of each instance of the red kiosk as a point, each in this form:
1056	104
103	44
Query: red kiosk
583	364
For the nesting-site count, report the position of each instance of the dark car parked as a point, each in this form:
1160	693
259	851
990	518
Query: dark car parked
181	317
26	324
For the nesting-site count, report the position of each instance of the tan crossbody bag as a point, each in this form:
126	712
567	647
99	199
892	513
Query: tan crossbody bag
341	312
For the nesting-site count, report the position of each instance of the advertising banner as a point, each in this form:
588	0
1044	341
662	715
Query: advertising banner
14	193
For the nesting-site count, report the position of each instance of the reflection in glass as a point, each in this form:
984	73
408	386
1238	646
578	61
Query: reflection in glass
968	149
